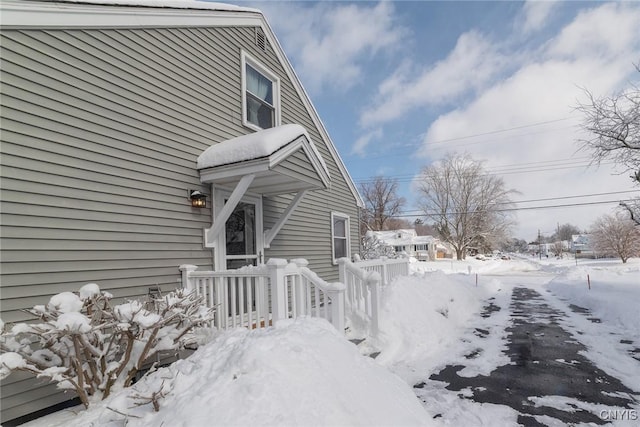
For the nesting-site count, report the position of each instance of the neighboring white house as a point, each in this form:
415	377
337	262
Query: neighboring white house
580	245
423	248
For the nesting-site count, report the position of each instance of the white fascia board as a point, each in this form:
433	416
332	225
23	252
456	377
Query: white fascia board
27	14
284	152
235	170
318	165
313	155
304	96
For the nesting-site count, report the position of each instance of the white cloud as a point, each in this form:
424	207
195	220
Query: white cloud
595	51
534	15
602	32
359	147
472	63
328	41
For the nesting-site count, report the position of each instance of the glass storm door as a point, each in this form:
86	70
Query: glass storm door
240	236
241	243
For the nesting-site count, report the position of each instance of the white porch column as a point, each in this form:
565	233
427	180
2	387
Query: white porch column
186	270
278	289
337	306
219	220
373	281
384	269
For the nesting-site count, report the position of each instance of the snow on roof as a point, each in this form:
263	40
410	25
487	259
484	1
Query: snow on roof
402	237
252	146
169	4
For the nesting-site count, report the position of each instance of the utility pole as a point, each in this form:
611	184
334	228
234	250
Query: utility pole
539	244
559	239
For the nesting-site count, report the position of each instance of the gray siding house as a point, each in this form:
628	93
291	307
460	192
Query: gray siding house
110	119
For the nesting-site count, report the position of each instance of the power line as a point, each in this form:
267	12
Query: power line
561	166
567	160
545	200
493	132
518	208
576	196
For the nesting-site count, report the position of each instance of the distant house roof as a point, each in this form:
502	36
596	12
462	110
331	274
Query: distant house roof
402	237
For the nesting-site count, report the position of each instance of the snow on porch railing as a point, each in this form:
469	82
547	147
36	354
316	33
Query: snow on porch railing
362	295
256	297
363	281
388	268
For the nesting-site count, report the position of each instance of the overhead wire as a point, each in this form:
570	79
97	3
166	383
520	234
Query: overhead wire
503	170
512	209
399	149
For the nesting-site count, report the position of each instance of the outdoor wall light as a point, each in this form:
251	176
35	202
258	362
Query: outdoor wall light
198	200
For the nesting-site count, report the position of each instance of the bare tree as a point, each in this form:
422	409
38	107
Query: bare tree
381	202
467	205
616	235
423	229
397	224
565	232
614	125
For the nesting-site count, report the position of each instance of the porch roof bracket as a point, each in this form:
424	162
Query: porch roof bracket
211	234
273	231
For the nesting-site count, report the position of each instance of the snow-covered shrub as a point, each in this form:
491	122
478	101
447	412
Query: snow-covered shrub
374	248
85	344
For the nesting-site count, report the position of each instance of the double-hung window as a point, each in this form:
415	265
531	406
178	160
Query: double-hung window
261	95
340	235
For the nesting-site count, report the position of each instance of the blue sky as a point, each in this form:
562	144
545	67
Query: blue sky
399	84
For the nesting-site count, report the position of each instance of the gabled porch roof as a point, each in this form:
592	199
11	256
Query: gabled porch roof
282	160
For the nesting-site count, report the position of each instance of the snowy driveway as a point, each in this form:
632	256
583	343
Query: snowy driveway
547	380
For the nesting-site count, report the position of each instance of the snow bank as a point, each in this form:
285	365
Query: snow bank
300	373
423	317
613	297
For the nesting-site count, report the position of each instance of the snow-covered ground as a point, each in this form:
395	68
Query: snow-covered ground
304	373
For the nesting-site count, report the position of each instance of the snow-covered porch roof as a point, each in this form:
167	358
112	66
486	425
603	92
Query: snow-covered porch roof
282	159
279	160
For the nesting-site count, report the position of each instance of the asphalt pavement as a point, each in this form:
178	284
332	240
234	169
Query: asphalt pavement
545	361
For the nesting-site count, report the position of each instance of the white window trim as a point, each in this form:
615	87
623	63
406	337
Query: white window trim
347	231
247	59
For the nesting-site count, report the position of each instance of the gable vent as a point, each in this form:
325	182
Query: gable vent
261	40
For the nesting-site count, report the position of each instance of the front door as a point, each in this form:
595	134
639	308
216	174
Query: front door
241	243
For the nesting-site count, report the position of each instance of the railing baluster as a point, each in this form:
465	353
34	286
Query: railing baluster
241	289
316	294
309	308
210	292
232	301
294	295
250	301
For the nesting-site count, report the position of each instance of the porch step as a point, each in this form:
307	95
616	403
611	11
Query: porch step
364	351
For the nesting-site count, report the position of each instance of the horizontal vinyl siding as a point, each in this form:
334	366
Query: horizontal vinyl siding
100	135
101	130
299	167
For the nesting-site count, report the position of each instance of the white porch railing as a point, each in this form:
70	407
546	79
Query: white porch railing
387	268
256	297
363	281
